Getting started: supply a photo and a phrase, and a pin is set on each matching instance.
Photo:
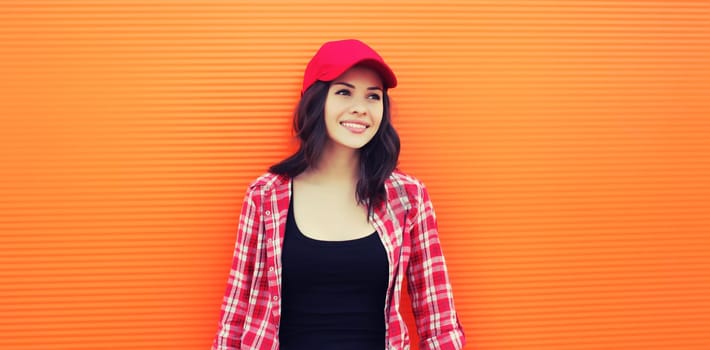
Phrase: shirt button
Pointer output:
(271, 269)
(268, 212)
(276, 298)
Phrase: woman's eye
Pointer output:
(343, 92)
(375, 97)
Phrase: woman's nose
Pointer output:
(358, 108)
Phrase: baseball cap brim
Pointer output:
(385, 72)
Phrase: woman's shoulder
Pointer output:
(268, 181)
(406, 187)
(399, 178)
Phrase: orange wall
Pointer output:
(565, 145)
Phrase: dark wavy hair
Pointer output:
(378, 158)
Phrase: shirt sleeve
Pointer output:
(236, 297)
(429, 287)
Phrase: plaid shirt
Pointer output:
(406, 224)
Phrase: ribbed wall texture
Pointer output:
(566, 146)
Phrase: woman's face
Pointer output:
(354, 107)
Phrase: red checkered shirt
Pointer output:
(406, 224)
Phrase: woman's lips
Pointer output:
(354, 127)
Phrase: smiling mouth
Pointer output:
(356, 126)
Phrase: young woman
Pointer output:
(328, 235)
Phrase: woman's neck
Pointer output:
(337, 163)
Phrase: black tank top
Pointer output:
(333, 292)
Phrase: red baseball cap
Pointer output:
(336, 57)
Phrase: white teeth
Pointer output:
(353, 125)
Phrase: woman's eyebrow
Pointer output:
(346, 84)
(353, 86)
